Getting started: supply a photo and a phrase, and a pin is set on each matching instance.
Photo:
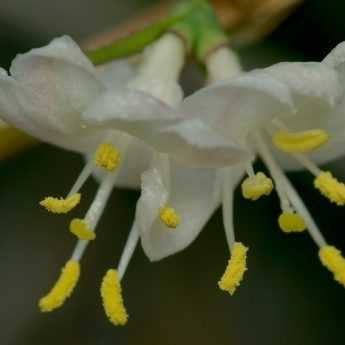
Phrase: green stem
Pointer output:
(193, 20)
(138, 41)
(210, 35)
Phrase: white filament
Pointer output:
(128, 251)
(273, 168)
(227, 206)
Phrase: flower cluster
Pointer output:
(130, 121)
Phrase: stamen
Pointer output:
(64, 205)
(111, 289)
(254, 187)
(299, 142)
(111, 293)
(170, 217)
(332, 259)
(95, 211)
(63, 287)
(286, 186)
(61, 205)
(234, 272)
(330, 187)
(81, 229)
(107, 157)
(291, 222)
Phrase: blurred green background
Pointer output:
(287, 297)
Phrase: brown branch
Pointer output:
(250, 20)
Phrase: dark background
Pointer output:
(287, 297)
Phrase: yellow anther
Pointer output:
(299, 142)
(254, 187)
(169, 217)
(234, 272)
(332, 259)
(291, 222)
(61, 205)
(63, 287)
(81, 229)
(111, 293)
(107, 157)
(330, 187)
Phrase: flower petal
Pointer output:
(195, 194)
(312, 80)
(128, 110)
(116, 74)
(62, 49)
(316, 90)
(194, 143)
(49, 89)
(190, 141)
(239, 105)
(336, 59)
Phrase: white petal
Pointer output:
(49, 89)
(316, 88)
(239, 105)
(116, 74)
(336, 59)
(167, 91)
(194, 143)
(190, 141)
(129, 110)
(195, 194)
(62, 49)
(312, 80)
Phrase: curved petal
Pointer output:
(190, 141)
(239, 105)
(167, 91)
(195, 194)
(333, 122)
(48, 90)
(336, 59)
(62, 49)
(194, 143)
(116, 73)
(308, 81)
(316, 88)
(128, 110)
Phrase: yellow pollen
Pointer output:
(330, 187)
(254, 187)
(111, 293)
(61, 205)
(63, 288)
(234, 272)
(299, 142)
(332, 259)
(291, 222)
(81, 229)
(107, 157)
(170, 217)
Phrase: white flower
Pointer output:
(296, 106)
(121, 119)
